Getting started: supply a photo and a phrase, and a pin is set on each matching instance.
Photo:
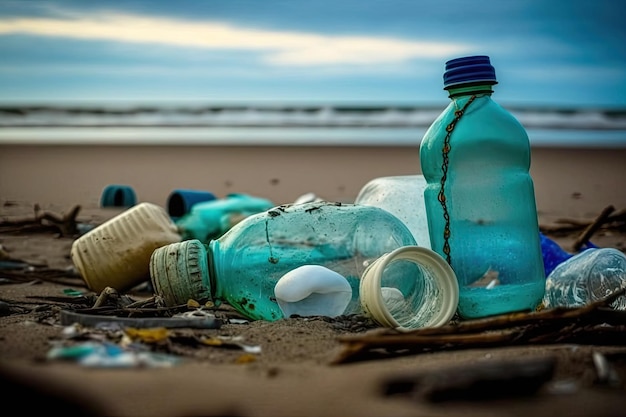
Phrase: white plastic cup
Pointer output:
(117, 253)
(433, 306)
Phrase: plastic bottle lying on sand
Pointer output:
(554, 255)
(587, 277)
(210, 219)
(117, 253)
(245, 265)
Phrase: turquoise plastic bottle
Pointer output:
(480, 201)
(210, 219)
(243, 266)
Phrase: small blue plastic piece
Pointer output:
(116, 195)
(180, 201)
(554, 255)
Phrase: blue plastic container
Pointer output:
(116, 195)
(180, 201)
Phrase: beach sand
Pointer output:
(295, 373)
(576, 182)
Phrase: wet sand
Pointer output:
(568, 182)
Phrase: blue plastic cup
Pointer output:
(180, 201)
(117, 195)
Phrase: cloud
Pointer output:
(574, 73)
(279, 48)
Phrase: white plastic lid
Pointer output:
(433, 308)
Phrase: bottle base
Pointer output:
(502, 299)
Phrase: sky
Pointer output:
(545, 52)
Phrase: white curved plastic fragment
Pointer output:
(312, 290)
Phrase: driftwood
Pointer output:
(44, 221)
(591, 229)
(594, 323)
(606, 220)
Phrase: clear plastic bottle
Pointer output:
(480, 201)
(554, 255)
(403, 196)
(243, 266)
(586, 277)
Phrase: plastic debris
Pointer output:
(109, 355)
(207, 321)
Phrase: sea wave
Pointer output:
(289, 116)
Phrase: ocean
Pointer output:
(68, 154)
(292, 125)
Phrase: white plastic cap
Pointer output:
(433, 307)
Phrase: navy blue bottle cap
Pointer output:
(469, 69)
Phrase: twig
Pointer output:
(592, 323)
(592, 228)
(613, 221)
(44, 221)
(66, 224)
(105, 295)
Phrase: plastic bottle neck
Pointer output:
(469, 90)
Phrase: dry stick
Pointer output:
(592, 228)
(66, 224)
(572, 225)
(615, 217)
(455, 335)
(141, 303)
(496, 322)
(107, 293)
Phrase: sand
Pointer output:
(577, 182)
(295, 373)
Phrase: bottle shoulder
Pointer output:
(483, 120)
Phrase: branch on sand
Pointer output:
(593, 324)
(605, 220)
(44, 221)
(592, 228)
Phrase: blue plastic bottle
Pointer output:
(480, 200)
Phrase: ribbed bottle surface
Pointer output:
(488, 216)
(587, 277)
(117, 252)
(179, 271)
